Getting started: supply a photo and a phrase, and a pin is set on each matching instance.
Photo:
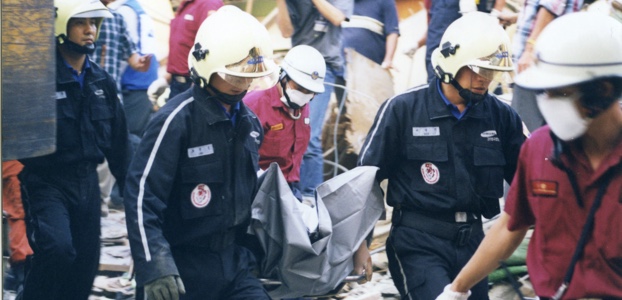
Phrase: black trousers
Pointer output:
(422, 264)
(226, 274)
(63, 225)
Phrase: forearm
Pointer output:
(331, 13)
(390, 46)
(497, 246)
(283, 20)
(543, 18)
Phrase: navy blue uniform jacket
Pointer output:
(193, 177)
(436, 163)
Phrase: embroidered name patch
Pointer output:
(201, 150)
(201, 196)
(188, 17)
(430, 173)
(426, 131)
(277, 127)
(544, 188)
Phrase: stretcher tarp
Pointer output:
(348, 207)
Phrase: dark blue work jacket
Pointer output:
(90, 124)
(193, 177)
(436, 163)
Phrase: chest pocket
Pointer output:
(68, 134)
(488, 177)
(429, 166)
(101, 117)
(201, 193)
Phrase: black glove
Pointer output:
(165, 288)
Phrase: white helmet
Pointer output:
(306, 67)
(575, 48)
(475, 40)
(235, 46)
(67, 9)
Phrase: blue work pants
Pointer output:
(63, 224)
(312, 168)
(422, 264)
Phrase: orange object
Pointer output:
(12, 206)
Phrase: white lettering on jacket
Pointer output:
(201, 151)
(426, 131)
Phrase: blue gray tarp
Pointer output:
(347, 206)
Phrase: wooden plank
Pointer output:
(28, 78)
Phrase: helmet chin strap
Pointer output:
(86, 49)
(467, 94)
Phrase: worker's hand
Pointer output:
(387, 64)
(449, 294)
(506, 18)
(526, 59)
(411, 50)
(362, 262)
(467, 6)
(156, 88)
(140, 63)
(165, 288)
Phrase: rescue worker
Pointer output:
(284, 113)
(193, 177)
(569, 176)
(445, 148)
(284, 116)
(60, 191)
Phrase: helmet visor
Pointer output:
(492, 75)
(255, 71)
(499, 60)
(250, 83)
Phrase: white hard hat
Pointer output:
(575, 48)
(235, 46)
(306, 67)
(67, 9)
(475, 40)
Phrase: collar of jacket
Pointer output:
(63, 75)
(438, 109)
(212, 109)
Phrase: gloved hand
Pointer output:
(156, 88)
(449, 294)
(467, 6)
(165, 288)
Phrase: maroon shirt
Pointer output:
(190, 14)
(285, 139)
(541, 194)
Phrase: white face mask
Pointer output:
(297, 97)
(562, 115)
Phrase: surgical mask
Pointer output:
(226, 98)
(297, 99)
(563, 116)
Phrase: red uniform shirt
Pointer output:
(285, 139)
(541, 194)
(190, 14)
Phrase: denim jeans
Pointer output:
(312, 168)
